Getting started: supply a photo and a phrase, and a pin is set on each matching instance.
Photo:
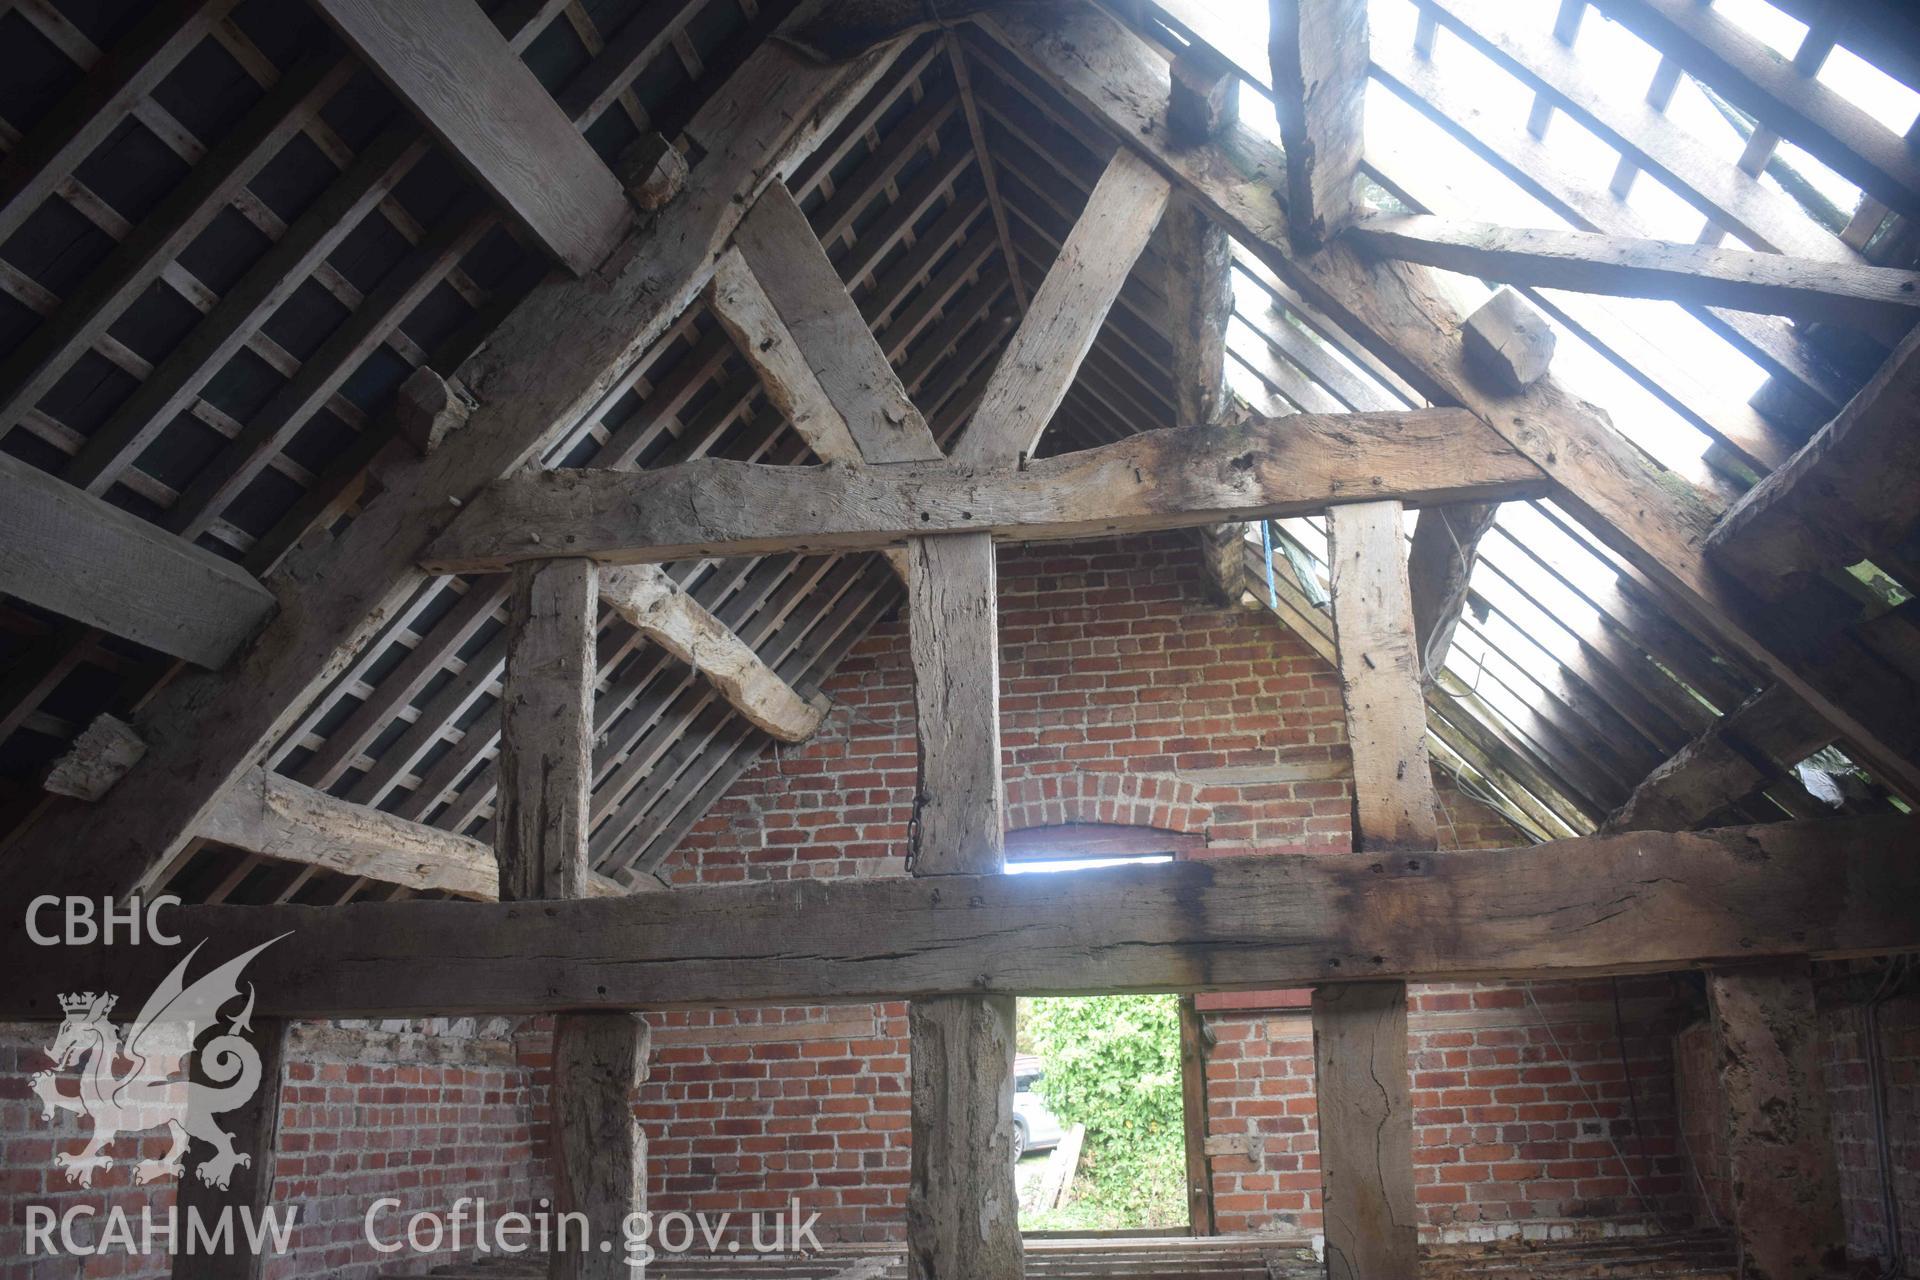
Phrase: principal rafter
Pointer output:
(482, 101)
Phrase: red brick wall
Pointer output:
(1522, 1112)
(1854, 1137)
(747, 1110)
(1856, 1148)
(1703, 1123)
(426, 1113)
(1120, 679)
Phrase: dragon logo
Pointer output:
(155, 1091)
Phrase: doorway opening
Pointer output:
(1100, 1118)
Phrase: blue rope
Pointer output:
(1266, 558)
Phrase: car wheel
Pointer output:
(1019, 1139)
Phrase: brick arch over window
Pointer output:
(1112, 799)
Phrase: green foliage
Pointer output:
(1112, 1063)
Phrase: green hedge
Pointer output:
(1112, 1063)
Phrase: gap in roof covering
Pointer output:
(1695, 112)
(1420, 155)
(1764, 23)
(1866, 86)
(1412, 142)
(1844, 194)
(1618, 62)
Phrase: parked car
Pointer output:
(1034, 1127)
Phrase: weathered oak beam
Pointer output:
(600, 1165)
(253, 1125)
(1318, 53)
(832, 337)
(1360, 1030)
(1587, 262)
(448, 63)
(1779, 1144)
(660, 610)
(1204, 96)
(550, 362)
(767, 344)
(1762, 737)
(1439, 568)
(1642, 902)
(963, 1210)
(271, 814)
(959, 809)
(1847, 494)
(540, 843)
(1393, 804)
(65, 550)
(1167, 479)
(1199, 270)
(1040, 362)
(1360, 1084)
(546, 730)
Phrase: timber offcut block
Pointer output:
(99, 757)
(1509, 342)
(653, 172)
(1204, 97)
(429, 408)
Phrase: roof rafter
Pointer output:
(1866, 297)
(1066, 313)
(1846, 495)
(486, 106)
(71, 552)
(1796, 107)
(1318, 53)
